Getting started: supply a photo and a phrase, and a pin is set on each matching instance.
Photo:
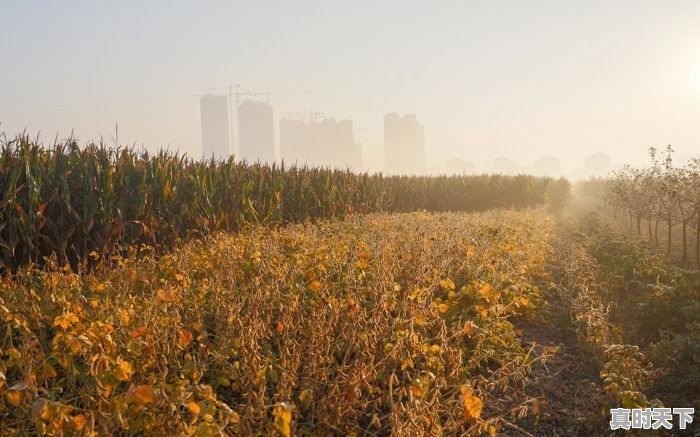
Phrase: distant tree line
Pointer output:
(663, 196)
(76, 203)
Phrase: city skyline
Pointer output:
(325, 142)
(488, 79)
(318, 139)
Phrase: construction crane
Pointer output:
(234, 90)
(312, 116)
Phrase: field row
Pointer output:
(640, 313)
(377, 325)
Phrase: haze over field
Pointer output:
(433, 256)
(487, 80)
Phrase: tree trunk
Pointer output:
(685, 242)
(650, 236)
(639, 226)
(656, 233)
(668, 248)
(631, 221)
(697, 241)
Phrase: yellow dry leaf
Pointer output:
(283, 419)
(65, 321)
(489, 293)
(482, 307)
(184, 337)
(124, 316)
(144, 394)
(523, 302)
(164, 295)
(234, 418)
(139, 332)
(443, 308)
(418, 387)
(471, 250)
(78, 422)
(447, 284)
(223, 381)
(362, 264)
(194, 407)
(14, 354)
(305, 397)
(14, 397)
(472, 404)
(469, 328)
(492, 430)
(74, 345)
(124, 371)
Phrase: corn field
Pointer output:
(68, 202)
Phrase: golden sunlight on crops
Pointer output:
(385, 324)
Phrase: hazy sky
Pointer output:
(515, 78)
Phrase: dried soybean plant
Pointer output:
(377, 325)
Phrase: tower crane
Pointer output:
(234, 90)
(312, 116)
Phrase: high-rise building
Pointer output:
(298, 142)
(404, 144)
(505, 166)
(344, 151)
(215, 131)
(545, 166)
(597, 165)
(256, 132)
(319, 143)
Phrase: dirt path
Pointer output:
(565, 381)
